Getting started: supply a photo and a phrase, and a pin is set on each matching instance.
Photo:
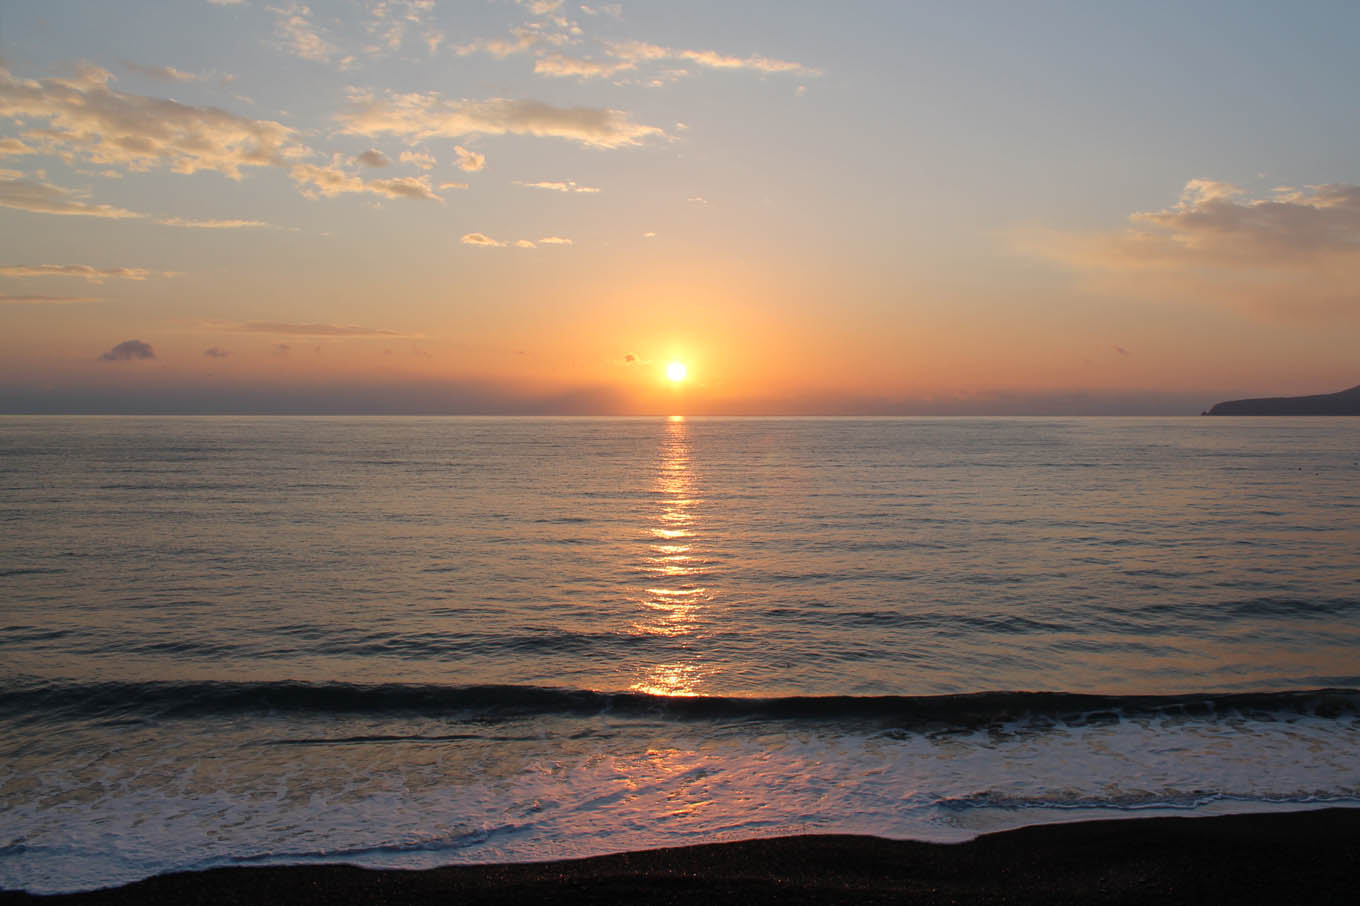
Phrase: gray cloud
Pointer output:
(213, 352)
(129, 351)
(373, 158)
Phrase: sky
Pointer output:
(535, 207)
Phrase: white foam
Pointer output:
(139, 811)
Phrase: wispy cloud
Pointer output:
(298, 35)
(83, 271)
(390, 22)
(428, 115)
(228, 224)
(283, 328)
(635, 52)
(317, 181)
(562, 66)
(45, 300)
(162, 73)
(613, 10)
(12, 146)
(44, 198)
(557, 186)
(418, 158)
(484, 241)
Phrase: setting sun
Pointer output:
(676, 371)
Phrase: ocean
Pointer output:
(420, 641)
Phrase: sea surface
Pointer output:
(420, 641)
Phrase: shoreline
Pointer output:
(1274, 857)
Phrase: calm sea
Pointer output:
(409, 642)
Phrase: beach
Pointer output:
(1297, 857)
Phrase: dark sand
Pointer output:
(1301, 857)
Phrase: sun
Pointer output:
(676, 371)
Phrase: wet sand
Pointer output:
(1300, 857)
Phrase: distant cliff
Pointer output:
(1347, 402)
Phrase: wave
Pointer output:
(133, 700)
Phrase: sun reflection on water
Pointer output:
(673, 602)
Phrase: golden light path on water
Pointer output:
(675, 599)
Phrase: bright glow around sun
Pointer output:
(676, 371)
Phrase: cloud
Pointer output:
(44, 198)
(12, 146)
(568, 186)
(328, 181)
(403, 187)
(452, 185)
(541, 7)
(162, 73)
(229, 224)
(562, 66)
(631, 359)
(281, 328)
(1297, 250)
(429, 115)
(485, 241)
(419, 158)
(129, 351)
(469, 161)
(213, 352)
(390, 20)
(45, 300)
(1121, 350)
(524, 39)
(84, 271)
(613, 10)
(297, 35)
(226, 2)
(635, 52)
(88, 120)
(374, 158)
